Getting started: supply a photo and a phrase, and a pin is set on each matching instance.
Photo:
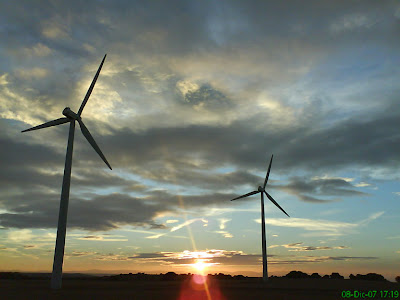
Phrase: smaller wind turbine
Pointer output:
(262, 191)
(70, 117)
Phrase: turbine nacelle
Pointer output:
(70, 114)
(261, 189)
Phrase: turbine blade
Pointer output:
(49, 124)
(274, 202)
(92, 142)
(91, 87)
(249, 194)
(269, 169)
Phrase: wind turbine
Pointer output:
(70, 117)
(261, 189)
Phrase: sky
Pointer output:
(193, 99)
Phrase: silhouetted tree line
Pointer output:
(299, 274)
(369, 276)
(172, 276)
(220, 276)
(28, 276)
(12, 275)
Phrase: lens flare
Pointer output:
(200, 287)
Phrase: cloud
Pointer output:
(79, 253)
(184, 224)
(351, 22)
(56, 28)
(205, 96)
(211, 257)
(101, 238)
(223, 147)
(225, 234)
(222, 222)
(19, 236)
(193, 102)
(185, 86)
(327, 177)
(155, 236)
(3, 79)
(293, 245)
(149, 255)
(300, 247)
(231, 258)
(322, 227)
(372, 217)
(32, 73)
(96, 214)
(171, 221)
(111, 257)
(317, 259)
(321, 186)
(38, 49)
(362, 184)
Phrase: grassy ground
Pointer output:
(278, 289)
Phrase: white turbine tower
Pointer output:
(262, 191)
(71, 117)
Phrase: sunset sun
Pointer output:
(199, 265)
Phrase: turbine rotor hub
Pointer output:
(260, 189)
(70, 114)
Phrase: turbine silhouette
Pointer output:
(262, 191)
(71, 117)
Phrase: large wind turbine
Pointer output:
(262, 191)
(71, 117)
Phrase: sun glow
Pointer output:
(199, 265)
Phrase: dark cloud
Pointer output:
(208, 97)
(300, 247)
(165, 155)
(294, 244)
(199, 201)
(91, 237)
(223, 257)
(353, 258)
(240, 259)
(79, 253)
(106, 212)
(149, 255)
(235, 52)
(18, 154)
(100, 213)
(319, 259)
(321, 187)
(30, 167)
(152, 154)
(351, 143)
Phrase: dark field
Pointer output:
(277, 288)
